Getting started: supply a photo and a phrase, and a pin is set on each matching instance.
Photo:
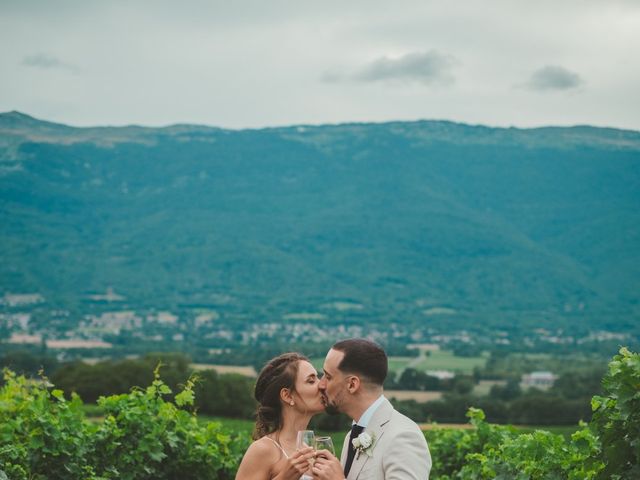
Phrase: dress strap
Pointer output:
(279, 446)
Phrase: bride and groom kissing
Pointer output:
(383, 444)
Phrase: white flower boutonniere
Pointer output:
(364, 444)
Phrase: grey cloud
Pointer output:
(428, 67)
(431, 68)
(44, 61)
(552, 77)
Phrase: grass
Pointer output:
(235, 424)
(483, 388)
(397, 364)
(445, 360)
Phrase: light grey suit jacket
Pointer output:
(399, 452)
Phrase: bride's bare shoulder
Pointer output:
(258, 460)
(264, 446)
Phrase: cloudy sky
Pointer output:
(262, 63)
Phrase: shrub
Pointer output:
(145, 436)
(142, 436)
(616, 417)
(42, 435)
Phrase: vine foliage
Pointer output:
(607, 448)
(44, 435)
(142, 436)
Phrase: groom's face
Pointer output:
(332, 384)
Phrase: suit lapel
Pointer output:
(345, 446)
(376, 429)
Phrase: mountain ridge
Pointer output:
(24, 119)
(498, 224)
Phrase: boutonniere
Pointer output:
(364, 444)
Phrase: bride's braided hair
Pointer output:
(279, 373)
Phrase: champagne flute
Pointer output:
(325, 443)
(306, 438)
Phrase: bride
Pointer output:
(288, 396)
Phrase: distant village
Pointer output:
(95, 332)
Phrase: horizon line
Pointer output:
(319, 125)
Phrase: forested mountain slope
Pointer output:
(425, 221)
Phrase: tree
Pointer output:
(509, 391)
(227, 395)
(579, 384)
(462, 384)
(25, 363)
(412, 379)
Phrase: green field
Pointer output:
(483, 388)
(436, 360)
(317, 363)
(235, 424)
(446, 360)
(397, 364)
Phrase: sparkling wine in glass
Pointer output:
(306, 438)
(325, 443)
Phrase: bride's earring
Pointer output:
(292, 403)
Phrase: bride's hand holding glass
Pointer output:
(298, 464)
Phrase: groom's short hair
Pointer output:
(363, 357)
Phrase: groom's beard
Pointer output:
(330, 407)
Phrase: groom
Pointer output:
(388, 445)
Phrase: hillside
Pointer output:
(430, 223)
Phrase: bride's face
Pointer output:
(307, 394)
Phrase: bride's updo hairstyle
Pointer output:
(279, 373)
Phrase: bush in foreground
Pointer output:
(493, 451)
(607, 448)
(143, 436)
